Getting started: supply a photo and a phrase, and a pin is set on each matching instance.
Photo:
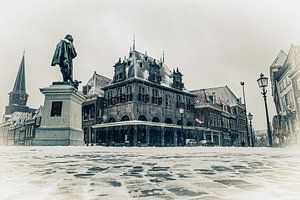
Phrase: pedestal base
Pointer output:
(58, 137)
(61, 123)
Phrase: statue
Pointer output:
(63, 56)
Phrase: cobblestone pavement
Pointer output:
(198, 173)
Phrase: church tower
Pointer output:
(18, 96)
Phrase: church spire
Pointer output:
(20, 86)
(18, 96)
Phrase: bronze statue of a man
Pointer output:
(63, 56)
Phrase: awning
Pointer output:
(144, 123)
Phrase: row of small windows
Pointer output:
(215, 120)
(227, 108)
(29, 131)
(119, 95)
(226, 122)
(156, 96)
(284, 83)
(240, 112)
(233, 124)
(88, 112)
(223, 122)
(241, 125)
(287, 100)
(119, 91)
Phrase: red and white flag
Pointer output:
(199, 121)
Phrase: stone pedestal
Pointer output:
(61, 123)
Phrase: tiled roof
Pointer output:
(95, 84)
(283, 63)
(38, 112)
(223, 95)
(143, 72)
(280, 59)
(18, 118)
(138, 65)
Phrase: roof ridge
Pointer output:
(102, 76)
(145, 55)
(231, 92)
(208, 88)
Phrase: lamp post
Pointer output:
(250, 117)
(181, 111)
(247, 131)
(263, 83)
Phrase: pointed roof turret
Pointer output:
(20, 86)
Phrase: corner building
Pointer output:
(142, 104)
(285, 84)
(223, 116)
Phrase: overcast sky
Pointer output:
(214, 43)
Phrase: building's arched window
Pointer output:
(142, 118)
(125, 118)
(179, 122)
(189, 123)
(168, 121)
(155, 119)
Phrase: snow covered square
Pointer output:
(194, 173)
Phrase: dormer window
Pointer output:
(177, 80)
(212, 98)
(120, 75)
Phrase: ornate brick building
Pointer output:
(142, 104)
(222, 115)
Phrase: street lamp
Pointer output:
(250, 117)
(248, 137)
(181, 111)
(263, 83)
